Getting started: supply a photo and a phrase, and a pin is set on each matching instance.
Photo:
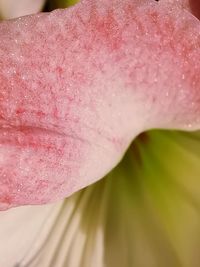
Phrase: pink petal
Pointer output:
(181, 3)
(78, 85)
(191, 5)
(13, 9)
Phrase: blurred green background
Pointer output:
(53, 4)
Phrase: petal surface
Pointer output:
(144, 213)
(23, 231)
(78, 85)
(13, 9)
(191, 5)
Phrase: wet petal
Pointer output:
(13, 9)
(144, 213)
(72, 101)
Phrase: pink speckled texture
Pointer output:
(78, 85)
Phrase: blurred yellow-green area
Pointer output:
(53, 4)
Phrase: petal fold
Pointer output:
(144, 213)
(78, 85)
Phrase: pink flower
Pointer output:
(77, 86)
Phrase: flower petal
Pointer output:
(181, 3)
(13, 9)
(23, 231)
(192, 5)
(144, 213)
(72, 101)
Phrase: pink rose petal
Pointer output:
(78, 85)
